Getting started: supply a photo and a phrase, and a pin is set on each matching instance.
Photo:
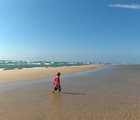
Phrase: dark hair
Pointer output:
(58, 73)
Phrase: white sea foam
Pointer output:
(14, 64)
(47, 63)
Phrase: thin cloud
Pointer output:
(127, 6)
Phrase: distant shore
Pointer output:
(39, 73)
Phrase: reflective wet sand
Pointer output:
(109, 93)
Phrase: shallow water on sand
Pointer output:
(110, 93)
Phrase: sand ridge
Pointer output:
(39, 73)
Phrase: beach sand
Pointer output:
(107, 93)
(39, 73)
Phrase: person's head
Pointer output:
(58, 74)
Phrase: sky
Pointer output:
(70, 30)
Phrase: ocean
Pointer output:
(15, 64)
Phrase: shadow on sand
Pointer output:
(72, 93)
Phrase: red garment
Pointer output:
(57, 81)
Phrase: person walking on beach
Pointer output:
(56, 83)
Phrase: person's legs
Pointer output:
(59, 88)
(55, 88)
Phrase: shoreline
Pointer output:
(7, 76)
(111, 93)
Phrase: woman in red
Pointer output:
(57, 83)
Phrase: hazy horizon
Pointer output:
(76, 30)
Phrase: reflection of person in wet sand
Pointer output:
(57, 85)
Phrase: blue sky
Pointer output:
(70, 30)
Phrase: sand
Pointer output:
(108, 93)
(39, 73)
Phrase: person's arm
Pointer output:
(59, 80)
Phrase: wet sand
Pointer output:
(109, 93)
